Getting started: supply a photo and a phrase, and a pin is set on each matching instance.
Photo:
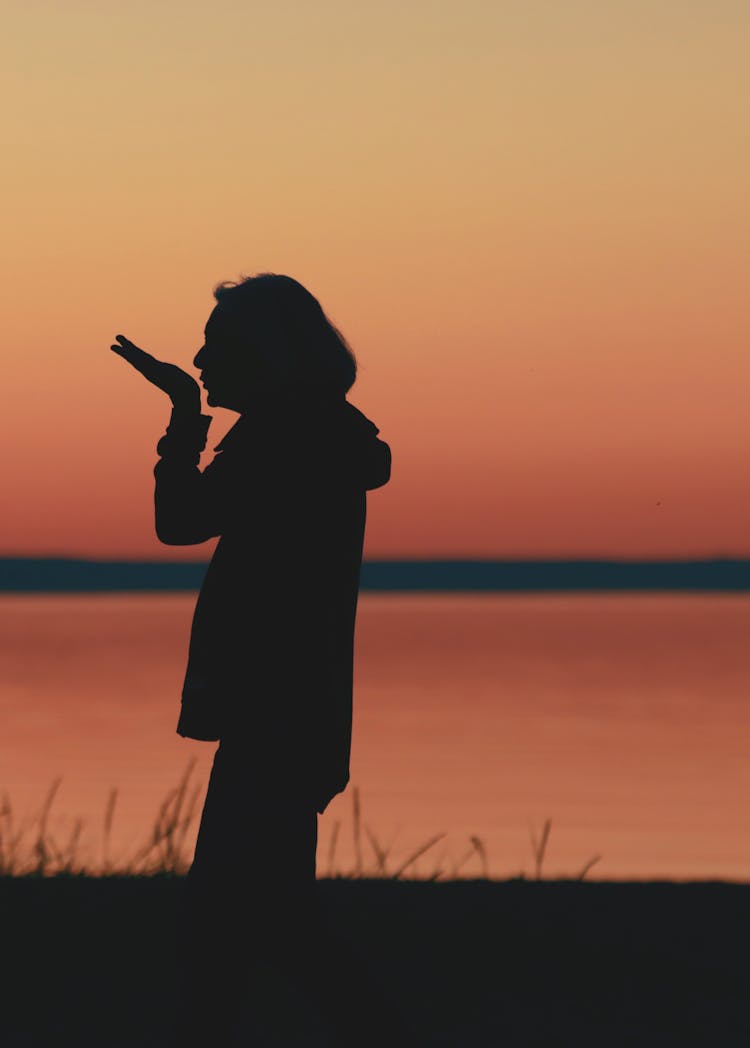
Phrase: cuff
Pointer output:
(186, 435)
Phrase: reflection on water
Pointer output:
(623, 718)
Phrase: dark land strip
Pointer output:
(65, 574)
(91, 961)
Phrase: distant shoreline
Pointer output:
(80, 575)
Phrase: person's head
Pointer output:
(269, 333)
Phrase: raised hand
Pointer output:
(181, 388)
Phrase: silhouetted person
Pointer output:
(270, 662)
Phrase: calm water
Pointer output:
(625, 719)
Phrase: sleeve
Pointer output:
(378, 462)
(186, 500)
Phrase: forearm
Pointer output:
(183, 515)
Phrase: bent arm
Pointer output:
(186, 510)
(378, 465)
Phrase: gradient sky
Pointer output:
(530, 219)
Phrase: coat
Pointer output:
(271, 652)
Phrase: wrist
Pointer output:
(186, 434)
(186, 408)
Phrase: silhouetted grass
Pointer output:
(28, 847)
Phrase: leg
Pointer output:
(250, 896)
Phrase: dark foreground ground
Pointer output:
(517, 963)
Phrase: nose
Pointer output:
(197, 359)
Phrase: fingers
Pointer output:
(123, 345)
(127, 349)
(127, 346)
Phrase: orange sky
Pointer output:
(529, 219)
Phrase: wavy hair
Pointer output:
(286, 325)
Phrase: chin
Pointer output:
(220, 402)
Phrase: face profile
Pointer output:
(226, 364)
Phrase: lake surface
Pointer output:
(623, 718)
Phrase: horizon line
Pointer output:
(67, 574)
(578, 558)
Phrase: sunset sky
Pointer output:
(530, 219)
